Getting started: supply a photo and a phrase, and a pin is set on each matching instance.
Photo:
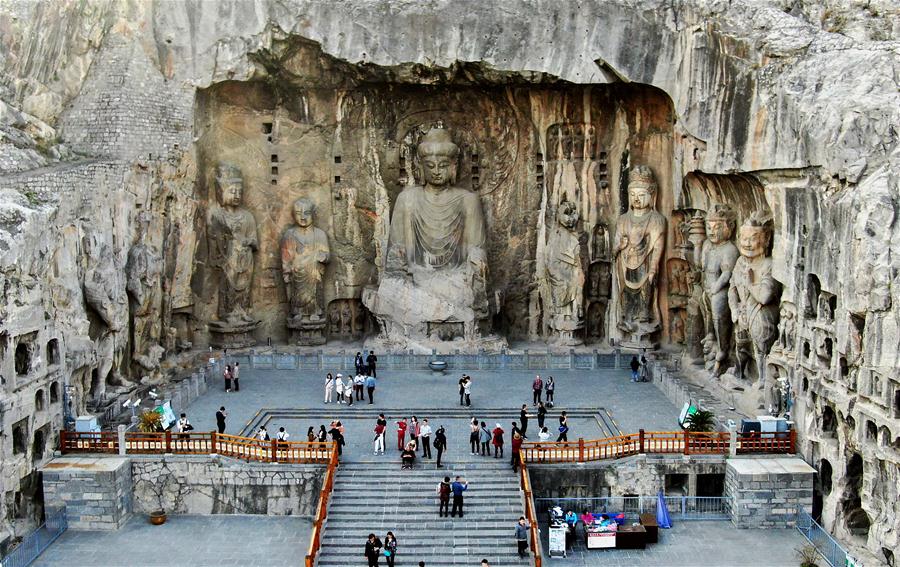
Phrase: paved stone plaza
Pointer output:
(214, 541)
(695, 544)
(631, 405)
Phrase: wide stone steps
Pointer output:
(378, 497)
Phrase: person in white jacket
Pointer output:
(329, 388)
(339, 388)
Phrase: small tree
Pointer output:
(701, 420)
(149, 421)
(808, 555)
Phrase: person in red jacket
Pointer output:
(497, 441)
(516, 445)
(401, 433)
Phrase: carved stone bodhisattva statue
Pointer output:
(304, 253)
(754, 295)
(718, 257)
(435, 268)
(233, 241)
(564, 279)
(640, 240)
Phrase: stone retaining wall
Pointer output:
(96, 491)
(766, 492)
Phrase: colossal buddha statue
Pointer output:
(640, 240)
(435, 273)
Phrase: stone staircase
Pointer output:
(378, 497)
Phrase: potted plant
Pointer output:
(149, 421)
(158, 517)
(808, 555)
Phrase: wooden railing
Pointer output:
(530, 513)
(658, 442)
(197, 443)
(315, 542)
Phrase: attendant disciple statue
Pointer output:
(565, 276)
(232, 243)
(754, 295)
(640, 240)
(304, 253)
(435, 275)
(718, 257)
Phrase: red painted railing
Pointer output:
(315, 541)
(657, 442)
(530, 513)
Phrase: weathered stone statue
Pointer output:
(718, 257)
(144, 286)
(233, 241)
(564, 277)
(104, 291)
(754, 295)
(304, 253)
(435, 274)
(640, 240)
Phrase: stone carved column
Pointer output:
(233, 242)
(304, 253)
(640, 241)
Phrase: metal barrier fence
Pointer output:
(827, 546)
(37, 541)
(679, 507)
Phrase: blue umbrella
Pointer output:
(662, 513)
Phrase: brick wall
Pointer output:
(767, 491)
(96, 491)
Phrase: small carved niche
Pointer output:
(20, 436)
(53, 351)
(829, 422)
(54, 392)
(567, 141)
(346, 319)
(813, 289)
(24, 354)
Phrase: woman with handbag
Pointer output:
(390, 548)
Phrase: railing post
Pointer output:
(687, 442)
(793, 447)
(641, 440)
(212, 443)
(168, 440)
(581, 449)
(62, 441)
(123, 447)
(274, 450)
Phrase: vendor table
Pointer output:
(631, 537)
(601, 540)
(649, 523)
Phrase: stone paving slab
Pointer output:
(195, 541)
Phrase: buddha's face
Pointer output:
(231, 192)
(640, 197)
(303, 213)
(718, 230)
(753, 241)
(437, 169)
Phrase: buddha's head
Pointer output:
(229, 185)
(303, 212)
(755, 235)
(438, 157)
(567, 214)
(720, 223)
(642, 188)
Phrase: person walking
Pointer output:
(523, 418)
(401, 433)
(467, 390)
(236, 376)
(644, 369)
(425, 433)
(550, 389)
(337, 436)
(311, 435)
(220, 419)
(380, 426)
(443, 492)
(497, 434)
(458, 487)
(541, 414)
(227, 375)
(370, 386)
(371, 360)
(440, 443)
(484, 436)
(348, 390)
(414, 430)
(359, 382)
(462, 390)
(329, 388)
(635, 367)
(522, 528)
(323, 434)
(473, 435)
(516, 447)
(358, 363)
(537, 387)
(339, 388)
(563, 428)
(373, 550)
(390, 549)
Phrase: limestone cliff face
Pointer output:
(114, 114)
